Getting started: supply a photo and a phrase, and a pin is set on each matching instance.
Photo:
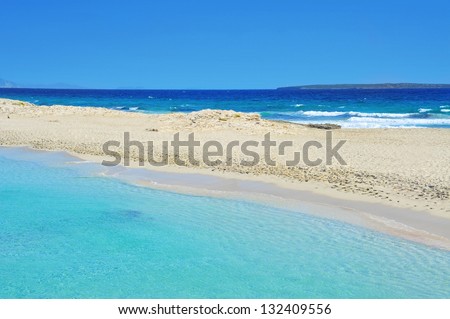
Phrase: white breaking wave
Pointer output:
(376, 122)
(356, 114)
(379, 122)
(322, 113)
(299, 105)
(381, 115)
(424, 110)
(134, 108)
(444, 106)
(445, 110)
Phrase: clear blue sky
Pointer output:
(223, 44)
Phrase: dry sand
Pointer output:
(403, 169)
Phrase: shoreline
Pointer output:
(397, 180)
(402, 223)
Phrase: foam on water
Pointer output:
(381, 115)
(356, 114)
(321, 113)
(368, 122)
(357, 122)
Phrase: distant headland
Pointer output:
(367, 86)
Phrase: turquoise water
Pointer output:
(354, 108)
(65, 233)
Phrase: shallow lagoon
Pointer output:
(66, 232)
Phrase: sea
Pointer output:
(350, 108)
(67, 231)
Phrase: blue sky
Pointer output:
(223, 44)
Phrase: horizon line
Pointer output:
(387, 85)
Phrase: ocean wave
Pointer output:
(406, 122)
(299, 105)
(445, 110)
(377, 122)
(423, 110)
(444, 106)
(381, 115)
(355, 114)
(133, 108)
(322, 113)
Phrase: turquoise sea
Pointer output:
(66, 232)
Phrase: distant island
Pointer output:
(4, 84)
(366, 86)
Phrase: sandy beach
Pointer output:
(400, 175)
